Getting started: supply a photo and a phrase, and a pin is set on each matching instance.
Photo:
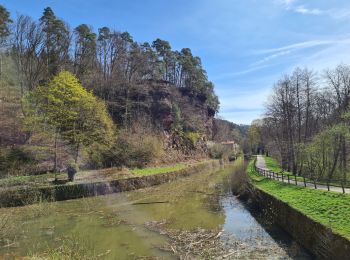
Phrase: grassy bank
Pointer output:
(99, 183)
(328, 208)
(274, 166)
(159, 170)
(108, 174)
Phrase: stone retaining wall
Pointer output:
(13, 197)
(317, 238)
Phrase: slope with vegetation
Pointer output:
(224, 130)
(97, 98)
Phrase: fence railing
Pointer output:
(300, 180)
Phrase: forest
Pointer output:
(306, 124)
(114, 144)
(98, 98)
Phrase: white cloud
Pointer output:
(288, 2)
(328, 57)
(271, 57)
(288, 49)
(237, 73)
(303, 10)
(285, 3)
(339, 13)
(290, 5)
(295, 46)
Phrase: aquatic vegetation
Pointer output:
(200, 219)
(69, 248)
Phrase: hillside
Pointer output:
(224, 130)
(159, 100)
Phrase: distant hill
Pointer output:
(224, 130)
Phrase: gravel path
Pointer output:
(261, 164)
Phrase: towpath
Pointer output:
(261, 164)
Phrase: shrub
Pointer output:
(15, 161)
(134, 151)
(216, 151)
(193, 137)
(219, 151)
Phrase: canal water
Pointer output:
(196, 217)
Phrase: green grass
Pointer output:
(274, 166)
(30, 180)
(328, 208)
(159, 170)
(112, 173)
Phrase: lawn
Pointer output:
(328, 208)
(159, 170)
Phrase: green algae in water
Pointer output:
(113, 226)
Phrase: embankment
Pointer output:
(28, 195)
(318, 238)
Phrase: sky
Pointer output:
(245, 45)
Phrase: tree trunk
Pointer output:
(77, 153)
(55, 155)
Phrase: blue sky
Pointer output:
(245, 45)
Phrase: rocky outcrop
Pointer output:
(159, 103)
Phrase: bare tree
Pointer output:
(28, 47)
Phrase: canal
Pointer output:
(196, 217)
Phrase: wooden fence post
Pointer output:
(288, 179)
(282, 177)
(273, 175)
(342, 186)
(315, 184)
(295, 178)
(328, 185)
(304, 181)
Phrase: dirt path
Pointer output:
(260, 163)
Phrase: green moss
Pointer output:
(159, 170)
(328, 208)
